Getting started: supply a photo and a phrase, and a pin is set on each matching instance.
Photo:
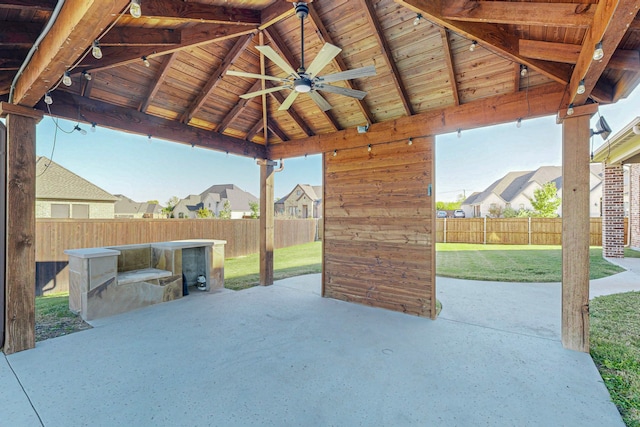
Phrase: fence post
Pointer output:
(529, 231)
(444, 234)
(484, 232)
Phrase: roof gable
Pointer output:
(56, 182)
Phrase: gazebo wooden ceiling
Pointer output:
(428, 81)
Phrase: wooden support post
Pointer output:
(575, 229)
(266, 222)
(20, 227)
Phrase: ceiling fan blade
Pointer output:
(260, 92)
(320, 101)
(349, 74)
(353, 93)
(254, 76)
(277, 59)
(326, 54)
(289, 100)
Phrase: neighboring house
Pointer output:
(127, 208)
(304, 201)
(516, 189)
(214, 198)
(62, 194)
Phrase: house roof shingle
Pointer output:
(55, 182)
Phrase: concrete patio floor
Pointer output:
(284, 356)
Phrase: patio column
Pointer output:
(634, 205)
(266, 221)
(575, 229)
(19, 226)
(613, 211)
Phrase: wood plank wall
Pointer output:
(379, 226)
(3, 206)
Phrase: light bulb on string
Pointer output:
(570, 110)
(581, 88)
(79, 129)
(417, 20)
(93, 127)
(473, 46)
(95, 49)
(598, 52)
(459, 133)
(145, 61)
(135, 10)
(66, 79)
(519, 123)
(47, 98)
(524, 70)
(87, 75)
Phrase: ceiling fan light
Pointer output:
(302, 85)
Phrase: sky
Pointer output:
(154, 169)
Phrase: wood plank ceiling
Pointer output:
(184, 94)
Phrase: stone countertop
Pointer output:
(91, 252)
(192, 243)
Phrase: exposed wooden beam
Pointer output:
(78, 24)
(276, 12)
(10, 64)
(610, 23)
(46, 5)
(519, 13)
(621, 59)
(87, 85)
(191, 37)
(181, 11)
(378, 32)
(72, 107)
(275, 129)
(291, 112)
(339, 63)
(237, 109)
(491, 36)
(279, 45)
(448, 59)
(539, 101)
(233, 54)
(158, 80)
(19, 34)
(132, 36)
(628, 60)
(516, 77)
(254, 131)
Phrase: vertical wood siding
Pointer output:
(379, 226)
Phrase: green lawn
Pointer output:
(244, 272)
(615, 348)
(512, 263)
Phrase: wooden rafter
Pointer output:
(158, 80)
(491, 36)
(237, 109)
(19, 34)
(141, 37)
(70, 106)
(46, 5)
(275, 129)
(191, 37)
(520, 13)
(339, 63)
(542, 101)
(448, 58)
(87, 85)
(53, 56)
(302, 124)
(516, 77)
(281, 48)
(10, 64)
(378, 32)
(276, 12)
(233, 54)
(609, 25)
(257, 127)
(180, 11)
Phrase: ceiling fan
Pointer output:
(307, 80)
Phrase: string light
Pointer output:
(66, 79)
(95, 49)
(79, 129)
(417, 20)
(47, 98)
(459, 133)
(581, 88)
(473, 46)
(135, 10)
(86, 75)
(93, 127)
(145, 61)
(410, 141)
(598, 52)
(570, 110)
(519, 123)
(523, 70)
(369, 148)
(335, 153)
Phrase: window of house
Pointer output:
(181, 215)
(79, 211)
(521, 205)
(493, 206)
(60, 211)
(508, 205)
(292, 210)
(299, 192)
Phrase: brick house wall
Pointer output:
(613, 212)
(634, 205)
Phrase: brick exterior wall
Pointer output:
(613, 212)
(634, 205)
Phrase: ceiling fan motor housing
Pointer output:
(302, 10)
(302, 85)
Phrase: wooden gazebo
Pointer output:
(440, 66)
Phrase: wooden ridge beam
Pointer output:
(612, 17)
(72, 107)
(46, 5)
(539, 101)
(276, 12)
(566, 15)
(231, 56)
(378, 32)
(157, 81)
(279, 45)
(191, 37)
(79, 22)
(302, 124)
(180, 11)
(132, 36)
(19, 34)
(491, 36)
(275, 129)
(238, 108)
(339, 63)
(448, 59)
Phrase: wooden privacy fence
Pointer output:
(512, 231)
(53, 236)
